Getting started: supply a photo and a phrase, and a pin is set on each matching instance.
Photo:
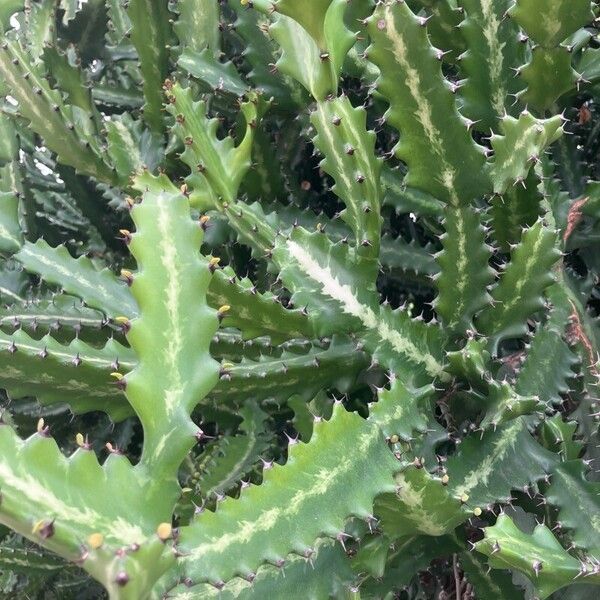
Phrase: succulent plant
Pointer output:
(299, 299)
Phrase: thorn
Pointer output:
(201, 436)
(267, 464)
(341, 537)
(291, 441)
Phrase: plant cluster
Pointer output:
(299, 299)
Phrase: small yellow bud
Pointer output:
(225, 308)
(40, 425)
(227, 365)
(244, 2)
(214, 261)
(445, 479)
(79, 439)
(117, 376)
(126, 274)
(164, 530)
(477, 512)
(394, 439)
(95, 541)
(37, 526)
(125, 232)
(121, 320)
(43, 528)
(464, 498)
(204, 219)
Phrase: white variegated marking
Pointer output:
(460, 284)
(321, 484)
(530, 266)
(10, 294)
(129, 144)
(414, 500)
(529, 142)
(550, 17)
(337, 169)
(423, 112)
(31, 490)
(174, 327)
(300, 49)
(491, 28)
(65, 355)
(94, 286)
(481, 475)
(8, 235)
(350, 304)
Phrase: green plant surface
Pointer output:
(60, 129)
(422, 107)
(576, 498)
(539, 556)
(150, 34)
(216, 163)
(464, 274)
(99, 289)
(486, 472)
(299, 300)
(229, 460)
(560, 20)
(488, 61)
(34, 504)
(512, 303)
(11, 237)
(548, 76)
(522, 141)
(265, 528)
(76, 374)
(349, 152)
(422, 504)
(325, 25)
(203, 67)
(399, 410)
(510, 211)
(197, 25)
(165, 386)
(328, 573)
(492, 584)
